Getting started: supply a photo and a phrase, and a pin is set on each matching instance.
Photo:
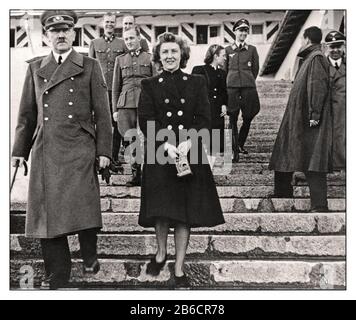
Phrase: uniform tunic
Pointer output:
(177, 101)
(216, 81)
(56, 121)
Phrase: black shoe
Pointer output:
(236, 157)
(319, 210)
(242, 150)
(135, 182)
(154, 268)
(181, 282)
(279, 196)
(93, 269)
(51, 283)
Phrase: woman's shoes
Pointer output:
(181, 282)
(154, 268)
(242, 150)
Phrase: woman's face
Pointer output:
(170, 55)
(221, 58)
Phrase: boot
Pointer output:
(136, 176)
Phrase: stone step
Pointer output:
(234, 274)
(242, 223)
(200, 246)
(234, 205)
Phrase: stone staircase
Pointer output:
(265, 243)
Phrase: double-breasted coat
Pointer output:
(217, 93)
(338, 102)
(298, 146)
(177, 101)
(64, 118)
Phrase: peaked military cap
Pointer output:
(335, 37)
(242, 23)
(54, 19)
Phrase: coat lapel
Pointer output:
(71, 67)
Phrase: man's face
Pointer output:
(109, 24)
(128, 22)
(61, 39)
(336, 51)
(131, 39)
(241, 34)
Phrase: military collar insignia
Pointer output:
(109, 39)
(136, 52)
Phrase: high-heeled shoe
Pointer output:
(154, 268)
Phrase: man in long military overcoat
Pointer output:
(304, 141)
(335, 42)
(64, 118)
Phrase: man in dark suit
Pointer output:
(242, 70)
(64, 118)
(335, 42)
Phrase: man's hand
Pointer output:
(20, 161)
(223, 111)
(313, 123)
(184, 147)
(115, 116)
(103, 162)
(172, 150)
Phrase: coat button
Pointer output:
(215, 89)
(46, 92)
(169, 114)
(214, 97)
(72, 78)
(70, 103)
(185, 78)
(71, 90)
(45, 105)
(160, 80)
(180, 127)
(180, 113)
(169, 127)
(70, 116)
(182, 100)
(166, 101)
(45, 80)
(46, 119)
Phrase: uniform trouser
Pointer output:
(247, 101)
(317, 184)
(117, 139)
(57, 259)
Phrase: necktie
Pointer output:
(240, 46)
(60, 60)
(337, 66)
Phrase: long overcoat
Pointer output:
(175, 102)
(58, 108)
(338, 101)
(298, 146)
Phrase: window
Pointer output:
(78, 37)
(174, 30)
(214, 32)
(160, 30)
(257, 29)
(202, 34)
(12, 38)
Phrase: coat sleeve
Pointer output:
(146, 109)
(202, 114)
(255, 63)
(318, 87)
(27, 118)
(91, 53)
(224, 87)
(116, 84)
(101, 108)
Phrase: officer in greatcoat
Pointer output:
(64, 118)
(242, 70)
(304, 140)
(105, 49)
(335, 42)
(130, 69)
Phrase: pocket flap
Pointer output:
(88, 127)
(122, 100)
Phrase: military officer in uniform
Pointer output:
(335, 42)
(64, 118)
(242, 68)
(130, 69)
(105, 50)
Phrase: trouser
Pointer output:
(317, 184)
(239, 138)
(117, 139)
(57, 258)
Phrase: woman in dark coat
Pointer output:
(174, 101)
(215, 78)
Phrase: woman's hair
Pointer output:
(170, 37)
(213, 50)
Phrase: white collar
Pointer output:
(243, 44)
(64, 55)
(338, 61)
(216, 68)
